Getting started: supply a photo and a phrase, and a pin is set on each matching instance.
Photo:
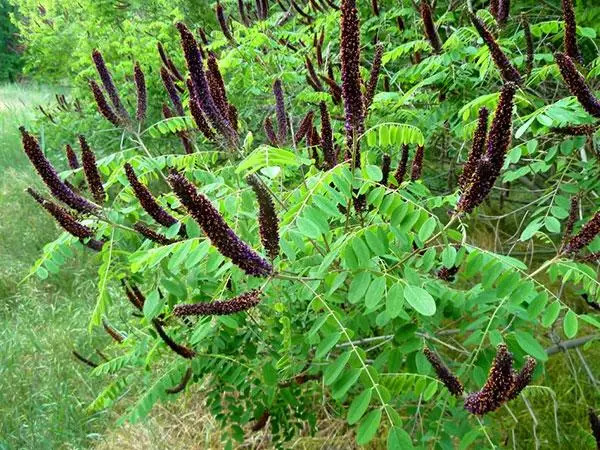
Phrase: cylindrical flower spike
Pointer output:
(444, 374)
(576, 130)
(201, 90)
(503, 11)
(181, 350)
(573, 212)
(585, 236)
(576, 84)
(570, 39)
(71, 157)
(499, 382)
(429, 26)
(233, 116)
(477, 149)
(351, 93)
(67, 221)
(237, 304)
(134, 295)
(386, 164)
(304, 127)
(140, 86)
(522, 379)
(172, 91)
(147, 200)
(112, 332)
(280, 112)
(402, 164)
(103, 107)
(217, 85)
(215, 227)
(490, 164)
(109, 85)
(48, 174)
(267, 217)
(329, 153)
(197, 113)
(494, 7)
(270, 132)
(507, 70)
(149, 233)
(417, 165)
(529, 45)
(312, 74)
(242, 11)
(90, 169)
(223, 22)
(374, 76)
(375, 6)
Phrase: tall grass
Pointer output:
(44, 391)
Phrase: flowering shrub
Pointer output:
(280, 265)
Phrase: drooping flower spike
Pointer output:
(67, 221)
(444, 374)
(217, 85)
(503, 11)
(197, 113)
(215, 227)
(429, 26)
(499, 383)
(491, 163)
(140, 86)
(521, 379)
(417, 165)
(50, 177)
(223, 22)
(103, 107)
(329, 153)
(147, 200)
(529, 45)
(374, 76)
(402, 165)
(267, 217)
(280, 111)
(576, 84)
(237, 304)
(570, 39)
(386, 163)
(576, 130)
(109, 86)
(585, 236)
(351, 93)
(172, 91)
(304, 128)
(90, 169)
(200, 89)
(181, 350)
(112, 332)
(71, 157)
(270, 132)
(154, 236)
(477, 149)
(507, 70)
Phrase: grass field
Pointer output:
(44, 391)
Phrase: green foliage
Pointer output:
(356, 293)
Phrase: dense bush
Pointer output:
(419, 179)
(9, 52)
